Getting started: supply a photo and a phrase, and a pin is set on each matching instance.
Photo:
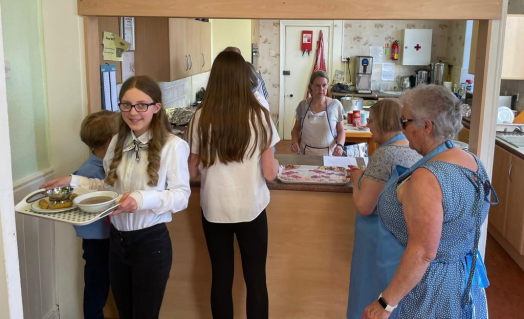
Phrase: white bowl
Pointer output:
(99, 207)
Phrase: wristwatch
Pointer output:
(338, 144)
(385, 305)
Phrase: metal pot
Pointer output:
(439, 72)
(422, 77)
(404, 82)
(351, 104)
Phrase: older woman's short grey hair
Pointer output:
(253, 76)
(437, 104)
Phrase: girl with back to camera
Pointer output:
(148, 164)
(232, 137)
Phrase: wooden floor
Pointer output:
(505, 294)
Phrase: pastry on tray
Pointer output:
(330, 175)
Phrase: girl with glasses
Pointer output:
(148, 164)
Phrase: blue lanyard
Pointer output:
(394, 139)
(437, 150)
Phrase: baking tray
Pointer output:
(307, 172)
(74, 216)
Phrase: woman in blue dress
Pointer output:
(384, 124)
(427, 261)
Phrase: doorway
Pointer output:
(300, 66)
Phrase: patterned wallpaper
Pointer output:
(269, 65)
(447, 45)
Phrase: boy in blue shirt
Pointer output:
(96, 132)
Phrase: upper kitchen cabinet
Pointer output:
(416, 46)
(512, 62)
(170, 49)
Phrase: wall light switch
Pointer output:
(7, 69)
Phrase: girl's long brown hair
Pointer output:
(159, 129)
(229, 113)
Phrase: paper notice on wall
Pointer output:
(377, 53)
(114, 47)
(388, 71)
(109, 87)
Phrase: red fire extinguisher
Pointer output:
(394, 51)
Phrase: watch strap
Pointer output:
(385, 305)
(338, 144)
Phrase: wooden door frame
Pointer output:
(298, 23)
(491, 15)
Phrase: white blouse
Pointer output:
(236, 192)
(155, 203)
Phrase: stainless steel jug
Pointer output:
(439, 72)
(422, 76)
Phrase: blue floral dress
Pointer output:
(453, 285)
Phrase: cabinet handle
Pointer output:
(190, 62)
(509, 172)
(203, 60)
(187, 63)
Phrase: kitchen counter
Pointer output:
(374, 95)
(292, 159)
(500, 142)
(310, 241)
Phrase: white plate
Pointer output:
(505, 115)
(36, 208)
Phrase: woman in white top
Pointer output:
(319, 125)
(231, 138)
(148, 164)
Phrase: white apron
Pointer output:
(316, 136)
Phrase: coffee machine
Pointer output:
(363, 71)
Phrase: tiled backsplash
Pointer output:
(182, 93)
(176, 93)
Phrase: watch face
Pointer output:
(382, 302)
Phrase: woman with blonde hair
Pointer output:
(384, 124)
(148, 164)
(231, 138)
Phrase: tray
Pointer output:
(313, 175)
(72, 216)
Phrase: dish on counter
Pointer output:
(505, 115)
(305, 174)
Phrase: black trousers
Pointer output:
(96, 277)
(252, 241)
(139, 265)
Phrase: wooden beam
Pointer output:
(298, 9)
(479, 95)
(91, 41)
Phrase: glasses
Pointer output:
(404, 122)
(139, 107)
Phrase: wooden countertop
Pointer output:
(519, 152)
(352, 131)
(284, 159)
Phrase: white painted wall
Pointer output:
(67, 103)
(10, 292)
